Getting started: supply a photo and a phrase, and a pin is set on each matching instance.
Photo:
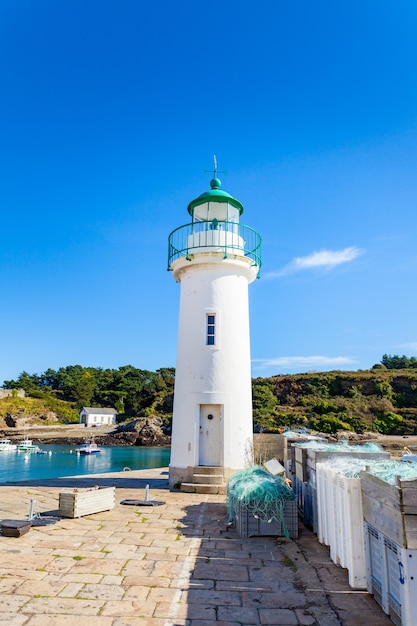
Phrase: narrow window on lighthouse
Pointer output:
(211, 329)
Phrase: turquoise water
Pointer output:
(62, 460)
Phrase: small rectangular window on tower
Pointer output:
(211, 329)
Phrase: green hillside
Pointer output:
(383, 399)
(378, 400)
(38, 411)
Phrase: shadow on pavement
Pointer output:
(122, 481)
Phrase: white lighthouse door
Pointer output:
(210, 446)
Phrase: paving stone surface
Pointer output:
(178, 564)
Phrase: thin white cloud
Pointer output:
(303, 362)
(323, 259)
(410, 345)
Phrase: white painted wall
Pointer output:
(97, 419)
(213, 375)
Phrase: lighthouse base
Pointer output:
(200, 478)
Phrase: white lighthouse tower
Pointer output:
(214, 258)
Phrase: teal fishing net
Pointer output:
(261, 493)
(303, 433)
(385, 469)
(341, 446)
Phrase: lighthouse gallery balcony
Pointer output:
(216, 237)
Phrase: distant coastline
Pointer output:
(74, 434)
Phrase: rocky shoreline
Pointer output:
(139, 432)
(150, 432)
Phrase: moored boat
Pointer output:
(89, 447)
(6, 444)
(27, 445)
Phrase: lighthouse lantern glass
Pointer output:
(221, 211)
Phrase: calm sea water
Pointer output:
(62, 460)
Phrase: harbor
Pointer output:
(64, 460)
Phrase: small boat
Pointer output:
(27, 445)
(89, 447)
(6, 444)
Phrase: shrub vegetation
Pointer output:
(382, 399)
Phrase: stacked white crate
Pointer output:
(340, 521)
(390, 513)
(391, 576)
(302, 485)
(376, 570)
(295, 473)
(292, 439)
(306, 485)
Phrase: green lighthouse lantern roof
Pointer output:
(216, 194)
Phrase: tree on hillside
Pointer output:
(396, 362)
(264, 404)
(28, 382)
(77, 384)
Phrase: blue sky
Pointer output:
(110, 113)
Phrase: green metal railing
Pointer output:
(215, 236)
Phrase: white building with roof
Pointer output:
(96, 416)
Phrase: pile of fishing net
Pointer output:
(385, 469)
(263, 494)
(341, 446)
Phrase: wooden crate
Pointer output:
(14, 528)
(85, 502)
(391, 509)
